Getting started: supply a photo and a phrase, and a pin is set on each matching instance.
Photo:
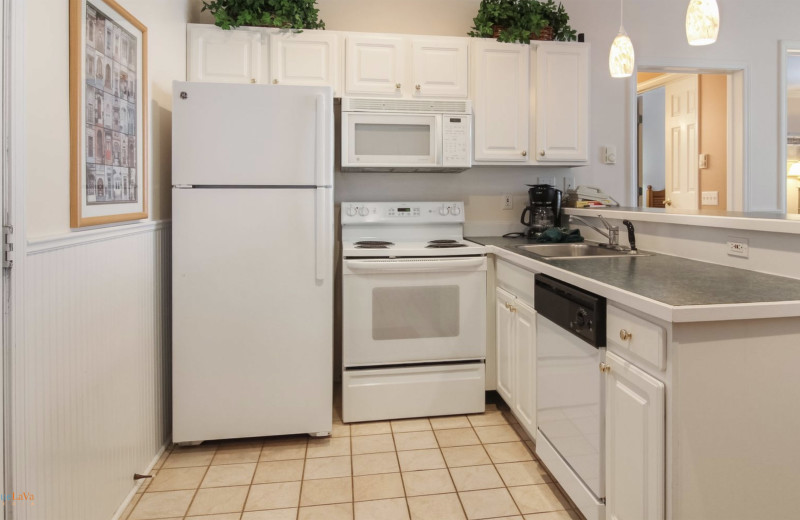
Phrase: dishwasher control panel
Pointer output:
(571, 308)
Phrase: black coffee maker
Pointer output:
(543, 210)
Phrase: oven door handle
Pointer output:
(417, 265)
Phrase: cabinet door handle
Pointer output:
(252, 80)
(605, 367)
(541, 153)
(418, 87)
(397, 86)
(274, 81)
(624, 335)
(524, 153)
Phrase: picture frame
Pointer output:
(108, 114)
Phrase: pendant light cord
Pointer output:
(621, 16)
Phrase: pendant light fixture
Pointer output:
(621, 57)
(702, 22)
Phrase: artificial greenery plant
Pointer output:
(289, 14)
(518, 20)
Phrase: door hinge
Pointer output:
(8, 246)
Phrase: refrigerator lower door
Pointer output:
(252, 313)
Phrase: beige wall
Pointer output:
(47, 105)
(713, 135)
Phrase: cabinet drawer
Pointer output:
(515, 280)
(639, 337)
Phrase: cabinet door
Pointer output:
(505, 344)
(440, 67)
(306, 58)
(221, 56)
(634, 443)
(562, 102)
(524, 406)
(374, 65)
(501, 100)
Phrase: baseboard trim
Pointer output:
(139, 483)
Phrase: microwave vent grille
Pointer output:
(406, 105)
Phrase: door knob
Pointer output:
(668, 202)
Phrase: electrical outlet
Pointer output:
(569, 184)
(508, 201)
(738, 246)
(710, 198)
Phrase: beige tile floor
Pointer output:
(442, 468)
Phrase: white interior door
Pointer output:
(252, 321)
(681, 132)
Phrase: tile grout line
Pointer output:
(400, 471)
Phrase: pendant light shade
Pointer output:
(621, 58)
(702, 22)
(794, 171)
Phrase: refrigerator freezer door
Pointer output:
(252, 135)
(252, 322)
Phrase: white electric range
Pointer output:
(413, 313)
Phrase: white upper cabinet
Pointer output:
(305, 58)
(560, 79)
(440, 67)
(500, 80)
(215, 55)
(374, 65)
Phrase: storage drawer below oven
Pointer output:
(418, 391)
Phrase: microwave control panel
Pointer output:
(456, 140)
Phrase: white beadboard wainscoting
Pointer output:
(91, 378)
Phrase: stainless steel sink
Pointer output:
(579, 250)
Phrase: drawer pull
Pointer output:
(605, 367)
(624, 335)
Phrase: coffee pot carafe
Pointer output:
(543, 210)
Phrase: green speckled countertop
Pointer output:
(670, 280)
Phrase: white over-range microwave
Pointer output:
(406, 135)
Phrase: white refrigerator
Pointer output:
(252, 261)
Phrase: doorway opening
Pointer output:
(689, 139)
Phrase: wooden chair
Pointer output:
(655, 199)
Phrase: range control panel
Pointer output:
(402, 212)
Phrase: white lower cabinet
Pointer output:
(635, 442)
(516, 357)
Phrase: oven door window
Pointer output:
(415, 312)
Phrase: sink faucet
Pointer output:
(611, 233)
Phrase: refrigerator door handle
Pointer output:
(322, 142)
(322, 233)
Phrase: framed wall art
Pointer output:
(108, 114)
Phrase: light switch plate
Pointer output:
(710, 198)
(610, 155)
(703, 162)
(569, 183)
(508, 201)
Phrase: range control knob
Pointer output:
(444, 210)
(455, 210)
(351, 211)
(363, 211)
